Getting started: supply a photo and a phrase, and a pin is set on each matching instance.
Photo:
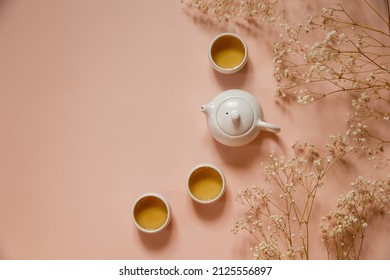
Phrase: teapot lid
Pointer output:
(235, 116)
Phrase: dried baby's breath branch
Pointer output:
(279, 222)
(352, 59)
(343, 230)
(225, 10)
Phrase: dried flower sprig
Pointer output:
(351, 59)
(343, 230)
(279, 222)
(225, 10)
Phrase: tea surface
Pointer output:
(205, 183)
(228, 52)
(150, 213)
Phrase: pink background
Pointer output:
(100, 102)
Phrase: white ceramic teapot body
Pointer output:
(234, 118)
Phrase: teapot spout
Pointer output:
(268, 126)
(205, 108)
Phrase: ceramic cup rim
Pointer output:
(212, 166)
(235, 68)
(164, 200)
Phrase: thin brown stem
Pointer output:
(388, 13)
(376, 11)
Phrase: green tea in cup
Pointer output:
(228, 53)
(206, 183)
(151, 212)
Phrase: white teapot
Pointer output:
(234, 118)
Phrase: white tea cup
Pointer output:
(228, 53)
(206, 183)
(151, 212)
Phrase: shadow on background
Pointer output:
(242, 157)
(235, 80)
(3, 6)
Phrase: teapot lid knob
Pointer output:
(235, 116)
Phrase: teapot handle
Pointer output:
(268, 126)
